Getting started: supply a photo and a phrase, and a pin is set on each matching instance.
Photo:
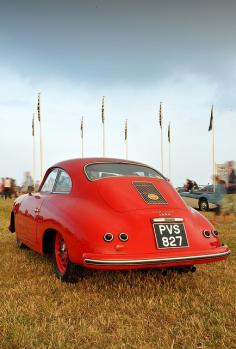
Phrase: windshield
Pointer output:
(102, 170)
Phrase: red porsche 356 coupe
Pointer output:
(112, 214)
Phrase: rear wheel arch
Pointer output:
(48, 240)
(64, 269)
(70, 272)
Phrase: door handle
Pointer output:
(36, 210)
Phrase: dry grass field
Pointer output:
(136, 309)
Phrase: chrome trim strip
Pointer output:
(168, 219)
(211, 205)
(155, 260)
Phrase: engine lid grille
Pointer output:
(149, 193)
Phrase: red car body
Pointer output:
(84, 226)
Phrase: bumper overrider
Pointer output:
(155, 260)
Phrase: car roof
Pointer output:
(76, 166)
(81, 163)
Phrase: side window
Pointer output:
(49, 182)
(63, 184)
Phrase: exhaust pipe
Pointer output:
(193, 269)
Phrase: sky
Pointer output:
(136, 54)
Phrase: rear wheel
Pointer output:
(64, 269)
(203, 205)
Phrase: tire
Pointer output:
(64, 269)
(203, 205)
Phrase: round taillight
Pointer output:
(206, 233)
(123, 237)
(108, 237)
(215, 233)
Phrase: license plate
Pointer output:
(170, 235)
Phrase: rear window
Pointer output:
(103, 170)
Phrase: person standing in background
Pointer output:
(218, 195)
(2, 188)
(13, 188)
(229, 202)
(7, 188)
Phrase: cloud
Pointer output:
(186, 100)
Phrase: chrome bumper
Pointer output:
(124, 262)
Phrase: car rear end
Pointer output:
(160, 230)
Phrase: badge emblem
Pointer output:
(153, 196)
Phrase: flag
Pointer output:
(103, 116)
(38, 108)
(82, 127)
(126, 129)
(169, 133)
(33, 126)
(211, 120)
(160, 115)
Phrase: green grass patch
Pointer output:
(131, 309)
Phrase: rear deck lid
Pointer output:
(134, 193)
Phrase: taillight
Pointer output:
(123, 237)
(215, 233)
(108, 237)
(206, 233)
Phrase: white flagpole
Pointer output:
(34, 157)
(161, 121)
(169, 152)
(104, 151)
(41, 137)
(170, 161)
(162, 165)
(126, 139)
(213, 148)
(82, 136)
(103, 127)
